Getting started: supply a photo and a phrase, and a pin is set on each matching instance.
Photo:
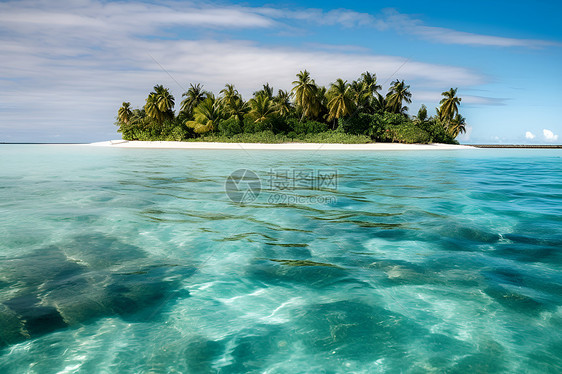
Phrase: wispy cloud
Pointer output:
(448, 36)
(127, 17)
(407, 24)
(342, 17)
(402, 23)
(145, 18)
(435, 96)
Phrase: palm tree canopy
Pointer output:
(159, 104)
(282, 102)
(320, 107)
(457, 126)
(124, 113)
(238, 109)
(193, 97)
(379, 103)
(398, 93)
(267, 90)
(370, 81)
(361, 94)
(165, 99)
(151, 107)
(207, 115)
(449, 105)
(262, 108)
(422, 113)
(341, 101)
(229, 94)
(305, 93)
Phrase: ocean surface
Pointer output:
(155, 261)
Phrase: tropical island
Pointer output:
(348, 113)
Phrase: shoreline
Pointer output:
(279, 146)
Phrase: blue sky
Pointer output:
(67, 66)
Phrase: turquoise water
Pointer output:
(136, 261)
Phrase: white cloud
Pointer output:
(435, 96)
(34, 16)
(529, 135)
(549, 136)
(343, 17)
(122, 17)
(409, 25)
(448, 36)
(403, 23)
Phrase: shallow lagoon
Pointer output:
(126, 260)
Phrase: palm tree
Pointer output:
(124, 113)
(165, 99)
(229, 94)
(379, 103)
(449, 105)
(341, 102)
(370, 81)
(305, 92)
(457, 126)
(207, 116)
(404, 110)
(151, 108)
(282, 102)
(320, 107)
(193, 97)
(267, 90)
(234, 105)
(138, 115)
(398, 93)
(361, 95)
(365, 92)
(262, 108)
(238, 109)
(422, 114)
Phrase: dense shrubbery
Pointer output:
(359, 123)
(437, 131)
(306, 127)
(269, 136)
(357, 111)
(335, 137)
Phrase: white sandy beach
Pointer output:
(284, 146)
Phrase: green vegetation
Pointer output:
(345, 113)
(269, 136)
